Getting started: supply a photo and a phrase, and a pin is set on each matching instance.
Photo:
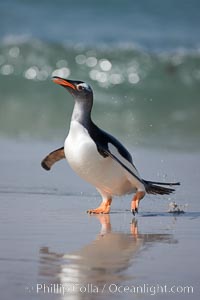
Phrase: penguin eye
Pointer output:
(80, 87)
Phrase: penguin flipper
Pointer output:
(52, 158)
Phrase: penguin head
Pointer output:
(78, 89)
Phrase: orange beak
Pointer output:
(63, 82)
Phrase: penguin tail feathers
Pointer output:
(158, 188)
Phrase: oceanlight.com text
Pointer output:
(110, 288)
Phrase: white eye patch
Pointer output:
(83, 86)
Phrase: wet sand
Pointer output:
(50, 248)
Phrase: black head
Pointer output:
(78, 89)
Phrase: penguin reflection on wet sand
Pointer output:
(98, 157)
(104, 260)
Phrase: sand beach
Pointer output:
(51, 248)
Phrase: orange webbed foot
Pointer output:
(104, 208)
(135, 202)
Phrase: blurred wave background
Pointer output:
(142, 59)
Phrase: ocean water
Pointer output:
(142, 59)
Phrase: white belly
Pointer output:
(104, 173)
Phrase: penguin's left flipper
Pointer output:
(52, 158)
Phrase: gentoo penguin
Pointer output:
(98, 157)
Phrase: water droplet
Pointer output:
(31, 73)
(80, 59)
(62, 72)
(91, 61)
(14, 52)
(133, 78)
(101, 77)
(116, 78)
(105, 65)
(93, 74)
(7, 69)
